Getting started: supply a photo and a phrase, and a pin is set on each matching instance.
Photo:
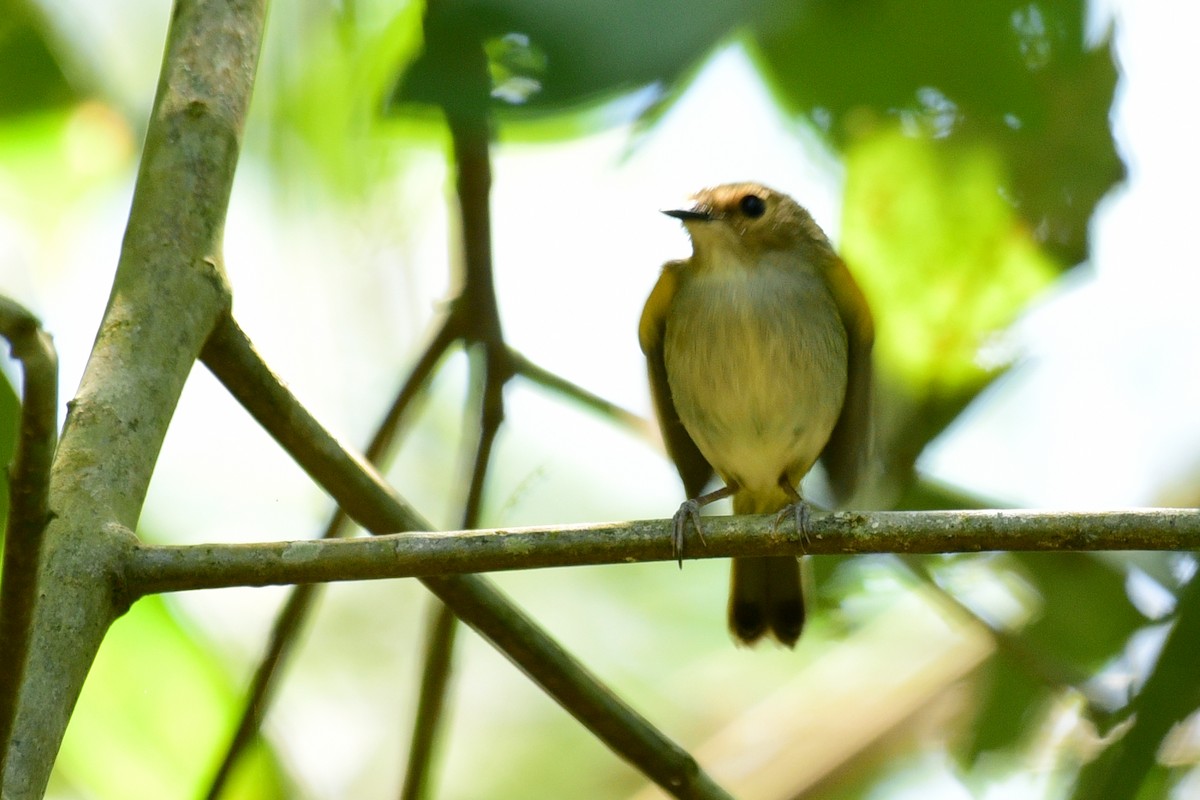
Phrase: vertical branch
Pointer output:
(439, 647)
(29, 506)
(431, 701)
(466, 109)
(168, 294)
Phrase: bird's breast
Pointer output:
(756, 362)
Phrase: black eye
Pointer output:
(753, 206)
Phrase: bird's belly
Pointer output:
(757, 371)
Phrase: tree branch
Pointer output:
(167, 568)
(431, 699)
(168, 292)
(295, 610)
(556, 383)
(476, 602)
(29, 502)
(354, 483)
(364, 496)
(479, 318)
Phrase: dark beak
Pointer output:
(699, 213)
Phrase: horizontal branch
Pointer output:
(364, 496)
(210, 566)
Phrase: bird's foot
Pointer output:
(689, 511)
(800, 513)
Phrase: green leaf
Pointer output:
(1011, 75)
(1010, 699)
(944, 259)
(25, 50)
(155, 708)
(1086, 617)
(590, 50)
(1128, 768)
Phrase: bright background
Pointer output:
(337, 248)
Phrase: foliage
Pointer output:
(121, 744)
(976, 146)
(1013, 77)
(24, 41)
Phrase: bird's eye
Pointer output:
(753, 206)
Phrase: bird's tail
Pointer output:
(765, 593)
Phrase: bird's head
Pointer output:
(747, 221)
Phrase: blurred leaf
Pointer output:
(926, 494)
(31, 77)
(945, 259)
(589, 50)
(1172, 570)
(1082, 622)
(878, 53)
(1086, 617)
(154, 709)
(54, 157)
(1011, 75)
(1128, 769)
(1010, 700)
(946, 264)
(321, 114)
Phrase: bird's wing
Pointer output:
(847, 453)
(693, 468)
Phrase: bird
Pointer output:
(758, 351)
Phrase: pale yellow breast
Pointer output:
(756, 361)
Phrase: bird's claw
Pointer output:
(688, 511)
(801, 514)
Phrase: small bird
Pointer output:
(759, 357)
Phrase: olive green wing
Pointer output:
(848, 451)
(693, 468)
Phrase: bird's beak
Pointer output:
(697, 213)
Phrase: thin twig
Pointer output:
(283, 635)
(479, 315)
(169, 568)
(440, 643)
(628, 734)
(29, 501)
(435, 675)
(439, 646)
(555, 383)
(354, 483)
(381, 443)
(232, 359)
(362, 493)
(294, 612)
